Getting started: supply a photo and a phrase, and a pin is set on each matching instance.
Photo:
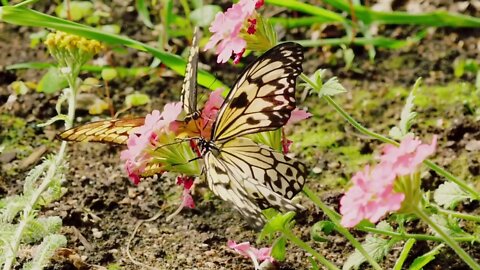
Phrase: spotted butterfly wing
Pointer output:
(251, 176)
(188, 96)
(263, 97)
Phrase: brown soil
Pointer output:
(102, 207)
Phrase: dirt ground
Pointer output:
(102, 207)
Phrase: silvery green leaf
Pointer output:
(449, 194)
(332, 87)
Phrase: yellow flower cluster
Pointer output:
(61, 40)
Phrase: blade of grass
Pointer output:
(298, 22)
(28, 17)
(376, 41)
(122, 72)
(435, 18)
(143, 13)
(308, 9)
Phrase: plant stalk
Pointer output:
(452, 243)
(334, 217)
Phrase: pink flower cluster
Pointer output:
(372, 194)
(245, 249)
(187, 182)
(144, 138)
(227, 26)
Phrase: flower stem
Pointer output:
(423, 237)
(404, 254)
(297, 241)
(454, 245)
(334, 217)
(475, 194)
(458, 215)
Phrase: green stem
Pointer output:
(403, 256)
(384, 139)
(423, 237)
(334, 217)
(454, 245)
(457, 214)
(297, 241)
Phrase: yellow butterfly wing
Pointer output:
(114, 131)
(263, 96)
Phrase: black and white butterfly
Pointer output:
(249, 175)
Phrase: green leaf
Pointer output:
(110, 28)
(143, 13)
(320, 228)
(35, 38)
(348, 56)
(109, 74)
(52, 82)
(44, 252)
(28, 17)
(204, 16)
(376, 247)
(136, 99)
(450, 194)
(78, 10)
(407, 116)
(404, 254)
(276, 222)
(423, 260)
(279, 249)
(331, 88)
(449, 225)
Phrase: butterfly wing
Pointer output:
(189, 89)
(254, 177)
(263, 96)
(107, 131)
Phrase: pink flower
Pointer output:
(187, 182)
(406, 158)
(297, 116)
(144, 138)
(371, 196)
(226, 29)
(135, 157)
(213, 104)
(256, 255)
(187, 200)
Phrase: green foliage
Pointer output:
(204, 15)
(143, 13)
(375, 246)
(407, 116)
(404, 254)
(136, 99)
(270, 138)
(423, 260)
(319, 229)
(19, 221)
(450, 194)
(77, 9)
(45, 251)
(109, 74)
(28, 17)
(52, 81)
(449, 224)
